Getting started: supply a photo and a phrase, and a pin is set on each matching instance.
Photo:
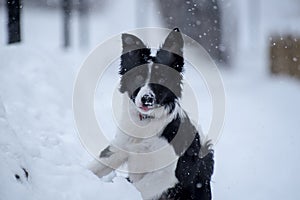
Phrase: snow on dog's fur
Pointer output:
(153, 86)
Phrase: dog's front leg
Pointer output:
(110, 158)
(153, 184)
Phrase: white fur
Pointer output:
(153, 184)
(142, 136)
(144, 90)
(107, 165)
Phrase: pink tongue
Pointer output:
(144, 108)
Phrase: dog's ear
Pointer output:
(171, 52)
(134, 53)
(174, 42)
(131, 42)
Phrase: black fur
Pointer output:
(165, 78)
(193, 171)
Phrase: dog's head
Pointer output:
(152, 82)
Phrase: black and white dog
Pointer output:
(152, 86)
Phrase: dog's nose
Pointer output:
(147, 100)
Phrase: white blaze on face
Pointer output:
(144, 91)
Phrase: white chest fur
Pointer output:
(154, 176)
(152, 160)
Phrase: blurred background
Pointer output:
(255, 44)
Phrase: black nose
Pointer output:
(147, 100)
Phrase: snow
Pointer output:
(37, 133)
(256, 157)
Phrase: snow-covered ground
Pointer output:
(256, 158)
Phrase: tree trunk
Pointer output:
(83, 10)
(13, 23)
(66, 7)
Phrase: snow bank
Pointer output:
(37, 132)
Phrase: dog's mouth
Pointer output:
(146, 108)
(144, 112)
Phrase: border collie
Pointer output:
(151, 84)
